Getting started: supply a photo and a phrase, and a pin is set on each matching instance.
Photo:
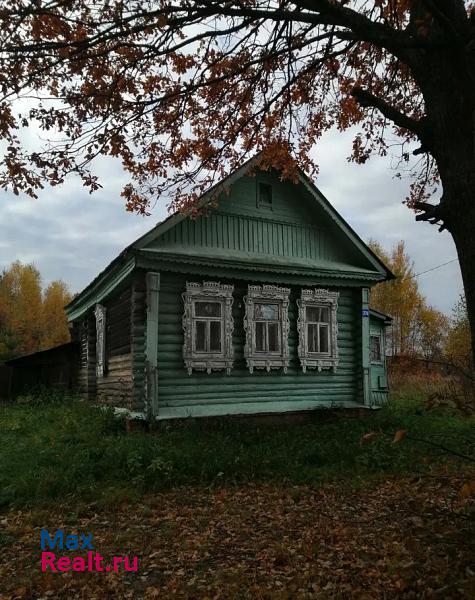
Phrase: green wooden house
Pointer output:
(260, 305)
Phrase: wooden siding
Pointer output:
(180, 394)
(252, 235)
(87, 357)
(138, 333)
(295, 228)
(118, 326)
(115, 387)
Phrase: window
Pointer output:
(318, 329)
(100, 314)
(267, 327)
(208, 327)
(375, 348)
(265, 195)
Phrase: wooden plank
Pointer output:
(151, 348)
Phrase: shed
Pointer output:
(54, 367)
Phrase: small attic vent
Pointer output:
(265, 195)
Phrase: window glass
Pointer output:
(215, 336)
(266, 312)
(323, 338)
(260, 337)
(313, 314)
(265, 195)
(312, 337)
(207, 309)
(318, 314)
(200, 336)
(273, 336)
(375, 348)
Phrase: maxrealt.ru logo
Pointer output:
(81, 542)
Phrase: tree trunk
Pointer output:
(459, 206)
(463, 233)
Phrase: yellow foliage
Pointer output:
(30, 320)
(417, 328)
(458, 347)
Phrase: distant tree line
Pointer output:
(32, 318)
(418, 329)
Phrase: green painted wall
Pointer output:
(180, 395)
(294, 228)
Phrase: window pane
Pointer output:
(318, 314)
(323, 338)
(312, 338)
(313, 313)
(375, 346)
(273, 333)
(215, 336)
(207, 309)
(260, 337)
(200, 336)
(266, 312)
(265, 194)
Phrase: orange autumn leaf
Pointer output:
(399, 435)
(367, 438)
(468, 489)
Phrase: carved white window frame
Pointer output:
(318, 298)
(208, 291)
(270, 294)
(100, 314)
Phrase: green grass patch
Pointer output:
(51, 450)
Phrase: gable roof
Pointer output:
(316, 194)
(124, 263)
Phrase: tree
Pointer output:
(30, 319)
(432, 333)
(183, 91)
(417, 329)
(20, 296)
(458, 340)
(55, 326)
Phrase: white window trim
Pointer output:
(270, 360)
(316, 360)
(208, 291)
(100, 314)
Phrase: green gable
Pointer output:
(297, 236)
(296, 230)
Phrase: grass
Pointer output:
(65, 449)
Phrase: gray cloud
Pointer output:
(71, 235)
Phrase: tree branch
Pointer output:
(432, 213)
(366, 99)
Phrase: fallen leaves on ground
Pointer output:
(399, 539)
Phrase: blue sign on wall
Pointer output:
(365, 312)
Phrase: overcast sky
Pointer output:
(71, 235)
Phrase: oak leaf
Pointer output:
(399, 435)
